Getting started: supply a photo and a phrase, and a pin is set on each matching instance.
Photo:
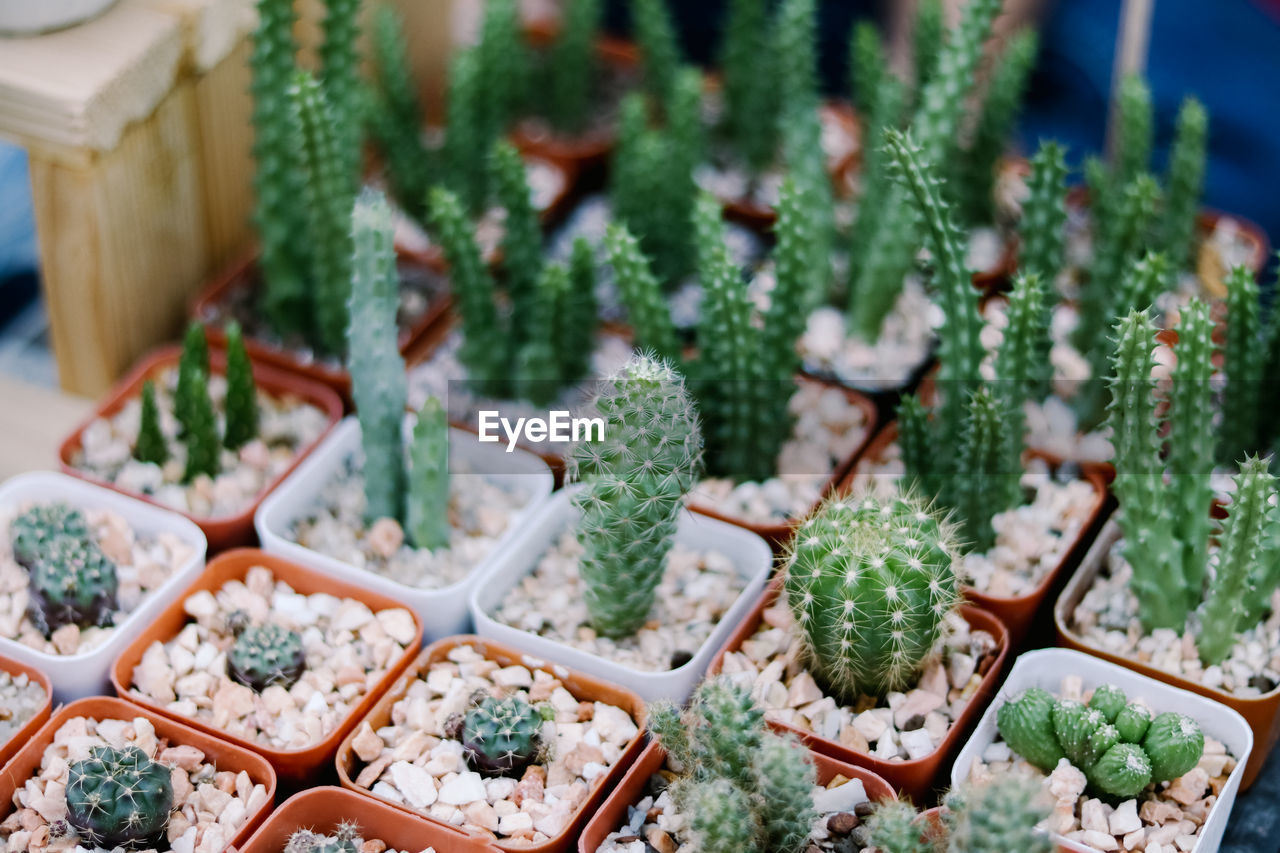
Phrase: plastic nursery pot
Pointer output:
(221, 531)
(222, 754)
(748, 552)
(245, 274)
(87, 673)
(1047, 667)
(1262, 712)
(613, 812)
(584, 687)
(442, 611)
(291, 764)
(914, 778)
(778, 532)
(32, 17)
(10, 747)
(322, 809)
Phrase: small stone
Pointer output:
(917, 743)
(1124, 819)
(415, 784)
(802, 690)
(659, 840)
(1189, 787)
(463, 788)
(1092, 816)
(385, 537)
(842, 823)
(515, 823)
(367, 745)
(842, 798)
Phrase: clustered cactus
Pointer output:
(1002, 815)
(746, 789)
(119, 798)
(871, 584)
(1251, 365)
(346, 838)
(72, 581)
(1119, 746)
(635, 481)
(572, 68)
(266, 655)
(501, 737)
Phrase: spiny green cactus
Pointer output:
(728, 732)
(1026, 724)
(72, 583)
(576, 315)
(799, 280)
(346, 839)
(377, 369)
(871, 583)
(868, 66)
(1185, 182)
(1132, 722)
(647, 309)
(427, 506)
(1022, 361)
(915, 438)
(1109, 700)
(1003, 814)
(722, 818)
(466, 132)
(1249, 521)
(1149, 277)
(150, 446)
(1042, 230)
(504, 68)
(201, 437)
(192, 364)
(572, 67)
(892, 828)
(750, 94)
(521, 238)
(984, 484)
(1134, 129)
(1074, 727)
(785, 780)
(241, 405)
(119, 798)
(36, 529)
(502, 736)
(795, 55)
(1174, 743)
(266, 655)
(1244, 366)
(660, 53)
(927, 37)
(537, 368)
(340, 77)
(635, 481)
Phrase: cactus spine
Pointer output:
(427, 510)
(266, 655)
(502, 736)
(150, 446)
(870, 584)
(119, 798)
(636, 478)
(241, 405)
(1185, 182)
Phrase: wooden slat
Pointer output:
(223, 110)
(211, 28)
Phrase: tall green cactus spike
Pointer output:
(150, 446)
(327, 197)
(201, 436)
(635, 480)
(1185, 182)
(1134, 129)
(241, 405)
(504, 67)
(1149, 277)
(427, 504)
(474, 295)
(1244, 366)
(729, 733)
(537, 368)
(892, 828)
(722, 819)
(192, 364)
(984, 485)
(750, 94)
(800, 282)
(577, 315)
(1022, 362)
(1003, 814)
(785, 780)
(394, 115)
(573, 67)
(917, 440)
(927, 37)
(1103, 195)
(1249, 517)
(867, 66)
(685, 147)
(277, 182)
(870, 584)
(378, 382)
(646, 307)
(795, 53)
(660, 53)
(1042, 231)
(467, 132)
(975, 188)
(667, 725)
(1191, 448)
(521, 239)
(340, 78)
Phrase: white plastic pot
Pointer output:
(749, 553)
(28, 17)
(443, 611)
(1046, 669)
(87, 674)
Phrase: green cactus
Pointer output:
(576, 315)
(427, 502)
(1147, 278)
(537, 367)
(267, 655)
(868, 66)
(1132, 723)
(722, 820)
(1109, 700)
(915, 438)
(1026, 724)
(785, 779)
(892, 828)
(728, 732)
(502, 737)
(1174, 743)
(1074, 724)
(884, 246)
(36, 530)
(794, 57)
(870, 584)
(192, 364)
(521, 238)
(119, 798)
(750, 95)
(635, 480)
(1042, 230)
(1244, 364)
(1099, 743)
(667, 725)
(1022, 366)
(646, 307)
(799, 281)
(659, 51)
(927, 37)
(474, 295)
(983, 484)
(150, 445)
(1001, 815)
(340, 78)
(572, 67)
(72, 583)
(1123, 771)
(345, 840)
(378, 383)
(201, 437)
(1185, 182)
(241, 404)
(503, 68)
(1134, 129)
(467, 133)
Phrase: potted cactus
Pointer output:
(655, 588)
(520, 754)
(1001, 815)
(206, 433)
(128, 779)
(404, 505)
(893, 670)
(718, 778)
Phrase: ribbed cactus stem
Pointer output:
(201, 436)
(984, 484)
(867, 66)
(798, 281)
(750, 96)
(577, 315)
(646, 306)
(1148, 277)
(241, 406)
(1244, 366)
(892, 828)
(467, 132)
(1042, 231)
(927, 37)
(1185, 182)
(685, 145)
(795, 53)
(1003, 814)
(785, 781)
(192, 364)
(1248, 520)
(1134, 129)
(728, 734)
(150, 445)
(378, 383)
(721, 818)
(521, 240)
(1022, 362)
(572, 67)
(916, 437)
(394, 116)
(340, 77)
(660, 54)
(427, 505)
(537, 368)
(503, 67)
(636, 478)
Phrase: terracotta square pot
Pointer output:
(10, 747)
(225, 755)
(583, 687)
(224, 531)
(291, 764)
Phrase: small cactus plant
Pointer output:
(1003, 814)
(266, 655)
(201, 435)
(893, 828)
(427, 510)
(871, 584)
(502, 736)
(344, 839)
(72, 583)
(36, 529)
(241, 405)
(1185, 181)
(150, 445)
(119, 798)
(193, 363)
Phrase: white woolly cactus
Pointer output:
(871, 584)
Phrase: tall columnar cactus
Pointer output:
(1244, 366)
(327, 198)
(521, 239)
(984, 484)
(377, 369)
(502, 736)
(636, 478)
(576, 316)
(1185, 182)
(150, 446)
(72, 583)
(119, 797)
(1134, 130)
(1042, 231)
(750, 94)
(466, 132)
(201, 436)
(795, 54)
(892, 828)
(393, 113)
(572, 67)
(923, 469)
(503, 70)
(427, 505)
(785, 780)
(871, 583)
(1148, 277)
(646, 306)
(192, 364)
(537, 367)
(722, 818)
(867, 66)
(1003, 814)
(660, 54)
(266, 655)
(474, 294)
(1249, 521)
(928, 35)
(1022, 362)
(340, 77)
(241, 404)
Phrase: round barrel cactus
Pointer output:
(263, 655)
(1174, 743)
(1109, 700)
(32, 532)
(1132, 723)
(502, 736)
(1026, 724)
(1123, 771)
(119, 798)
(72, 583)
(870, 583)
(1074, 724)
